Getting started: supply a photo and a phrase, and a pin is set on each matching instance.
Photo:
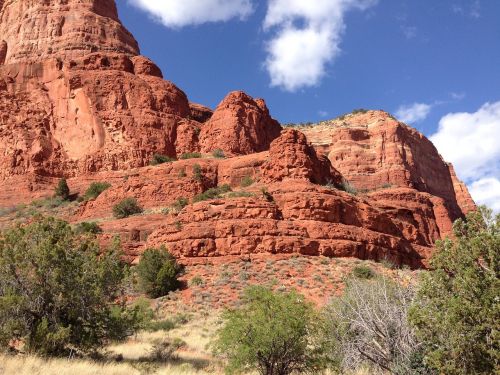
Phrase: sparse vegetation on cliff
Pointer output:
(95, 189)
(62, 190)
(213, 193)
(127, 207)
(158, 159)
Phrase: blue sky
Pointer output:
(430, 62)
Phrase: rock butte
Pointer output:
(77, 100)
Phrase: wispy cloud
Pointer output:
(414, 113)
(470, 142)
(180, 13)
(306, 38)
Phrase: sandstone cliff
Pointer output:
(78, 100)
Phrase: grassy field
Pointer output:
(193, 358)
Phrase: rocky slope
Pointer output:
(78, 101)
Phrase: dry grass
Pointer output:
(21, 365)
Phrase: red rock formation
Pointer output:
(291, 157)
(464, 198)
(37, 30)
(200, 113)
(373, 150)
(77, 100)
(239, 126)
(303, 219)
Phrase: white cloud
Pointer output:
(180, 13)
(471, 141)
(307, 37)
(413, 113)
(487, 192)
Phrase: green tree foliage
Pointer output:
(62, 189)
(158, 272)
(363, 272)
(272, 333)
(127, 207)
(57, 291)
(88, 227)
(95, 189)
(457, 314)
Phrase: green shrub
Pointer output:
(213, 193)
(158, 159)
(272, 333)
(160, 325)
(88, 227)
(348, 188)
(197, 172)
(95, 189)
(62, 190)
(246, 181)
(267, 195)
(126, 208)
(363, 272)
(180, 203)
(218, 154)
(182, 173)
(58, 290)
(190, 155)
(158, 272)
(457, 309)
(359, 110)
(196, 281)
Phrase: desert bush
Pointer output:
(127, 207)
(218, 154)
(158, 272)
(267, 195)
(246, 181)
(158, 159)
(160, 325)
(95, 189)
(180, 203)
(359, 110)
(348, 188)
(196, 281)
(368, 327)
(213, 193)
(272, 333)
(363, 272)
(190, 155)
(197, 172)
(88, 227)
(164, 350)
(58, 290)
(62, 190)
(457, 309)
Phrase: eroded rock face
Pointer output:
(36, 30)
(303, 219)
(373, 150)
(77, 100)
(239, 126)
(291, 157)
